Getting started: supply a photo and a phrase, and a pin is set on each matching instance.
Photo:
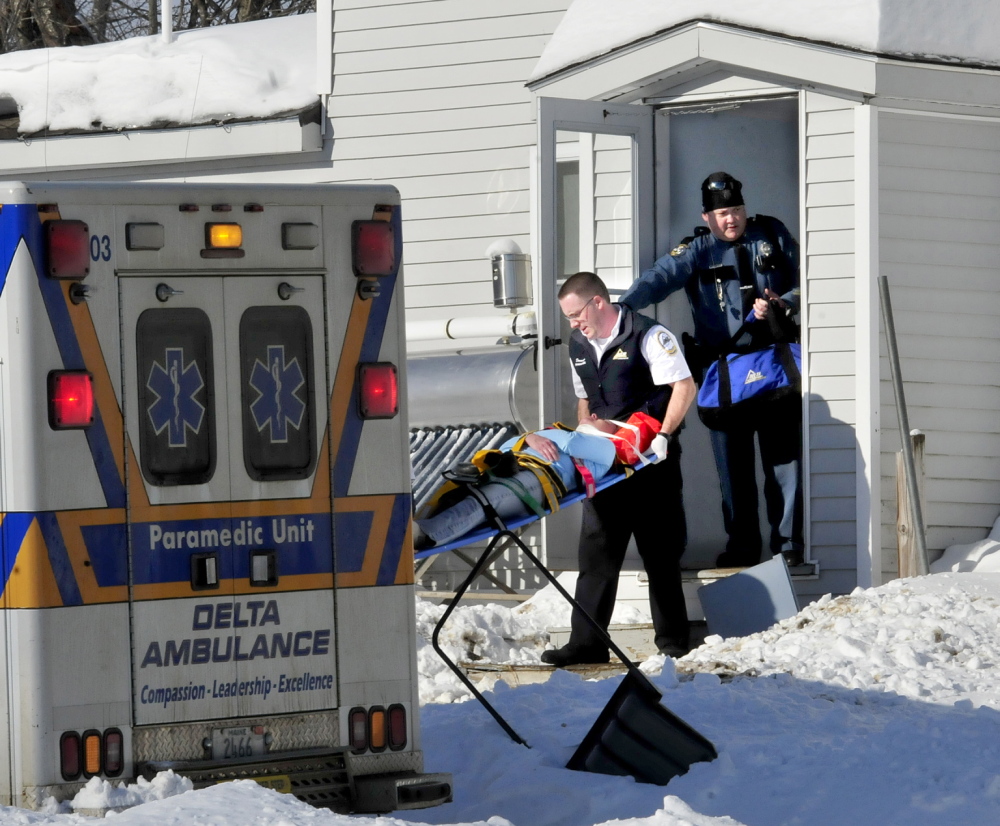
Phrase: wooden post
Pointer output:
(906, 544)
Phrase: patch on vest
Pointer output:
(621, 355)
(666, 341)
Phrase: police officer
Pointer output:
(741, 268)
(623, 363)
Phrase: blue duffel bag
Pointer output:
(737, 387)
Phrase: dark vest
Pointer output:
(618, 387)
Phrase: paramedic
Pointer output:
(623, 363)
(741, 269)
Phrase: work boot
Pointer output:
(793, 557)
(673, 649)
(576, 654)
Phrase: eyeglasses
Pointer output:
(571, 317)
(718, 186)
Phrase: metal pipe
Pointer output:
(521, 324)
(909, 467)
(167, 20)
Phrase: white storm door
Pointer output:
(603, 222)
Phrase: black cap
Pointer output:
(719, 191)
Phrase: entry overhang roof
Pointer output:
(951, 32)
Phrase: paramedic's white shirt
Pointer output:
(659, 348)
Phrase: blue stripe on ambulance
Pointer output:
(106, 550)
(394, 541)
(151, 566)
(69, 591)
(14, 529)
(21, 221)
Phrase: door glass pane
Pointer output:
(568, 217)
(594, 228)
(177, 427)
(278, 396)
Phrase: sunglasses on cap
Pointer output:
(718, 186)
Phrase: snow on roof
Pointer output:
(244, 70)
(953, 31)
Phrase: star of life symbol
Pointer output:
(753, 376)
(277, 384)
(175, 409)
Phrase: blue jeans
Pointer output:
(467, 514)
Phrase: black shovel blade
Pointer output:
(636, 735)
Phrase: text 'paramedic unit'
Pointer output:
(205, 494)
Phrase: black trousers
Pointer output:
(648, 505)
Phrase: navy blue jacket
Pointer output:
(708, 270)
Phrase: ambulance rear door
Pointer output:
(225, 396)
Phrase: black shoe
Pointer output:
(575, 654)
(421, 541)
(674, 650)
(737, 559)
(793, 557)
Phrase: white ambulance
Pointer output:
(204, 491)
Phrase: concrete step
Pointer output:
(635, 640)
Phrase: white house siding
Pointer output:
(939, 190)
(613, 210)
(829, 332)
(429, 94)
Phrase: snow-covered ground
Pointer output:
(880, 707)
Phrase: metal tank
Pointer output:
(475, 385)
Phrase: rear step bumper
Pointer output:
(320, 777)
(404, 790)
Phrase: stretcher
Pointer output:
(488, 532)
(619, 742)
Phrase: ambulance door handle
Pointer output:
(286, 290)
(164, 292)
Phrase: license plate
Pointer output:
(238, 743)
(279, 782)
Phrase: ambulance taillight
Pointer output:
(397, 727)
(114, 752)
(379, 390)
(69, 755)
(373, 248)
(67, 247)
(376, 729)
(357, 729)
(91, 753)
(71, 399)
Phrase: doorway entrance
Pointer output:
(618, 187)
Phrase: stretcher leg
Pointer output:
(484, 559)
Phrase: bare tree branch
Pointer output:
(33, 24)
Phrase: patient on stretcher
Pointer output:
(516, 479)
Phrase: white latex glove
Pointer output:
(659, 447)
